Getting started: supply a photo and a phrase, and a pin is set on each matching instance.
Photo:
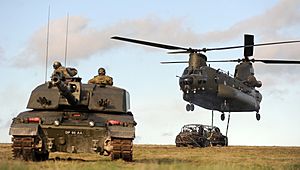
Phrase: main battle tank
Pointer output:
(68, 116)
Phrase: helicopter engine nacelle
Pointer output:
(258, 84)
(252, 82)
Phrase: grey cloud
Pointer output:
(84, 41)
(271, 25)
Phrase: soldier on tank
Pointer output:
(101, 78)
(65, 72)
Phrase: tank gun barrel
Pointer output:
(65, 89)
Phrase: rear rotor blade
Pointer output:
(277, 61)
(263, 61)
(240, 60)
(153, 44)
(247, 46)
(275, 43)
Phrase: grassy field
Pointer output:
(147, 157)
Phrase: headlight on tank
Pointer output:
(56, 122)
(91, 123)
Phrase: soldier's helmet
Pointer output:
(101, 71)
(56, 64)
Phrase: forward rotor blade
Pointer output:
(180, 52)
(216, 61)
(278, 61)
(190, 50)
(173, 62)
(153, 44)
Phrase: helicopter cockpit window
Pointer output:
(197, 72)
(186, 71)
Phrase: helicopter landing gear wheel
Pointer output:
(192, 107)
(222, 116)
(189, 107)
(257, 116)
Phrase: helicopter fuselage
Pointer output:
(214, 89)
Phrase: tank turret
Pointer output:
(63, 92)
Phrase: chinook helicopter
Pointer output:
(214, 89)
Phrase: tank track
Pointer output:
(23, 148)
(122, 149)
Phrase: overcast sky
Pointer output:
(156, 100)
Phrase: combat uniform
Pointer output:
(101, 78)
(65, 72)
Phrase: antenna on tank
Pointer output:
(47, 45)
(66, 45)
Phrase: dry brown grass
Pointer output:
(169, 157)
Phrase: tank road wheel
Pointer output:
(24, 148)
(122, 149)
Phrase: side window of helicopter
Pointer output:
(217, 79)
(201, 81)
(235, 73)
(186, 71)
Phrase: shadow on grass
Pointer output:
(142, 161)
(73, 159)
(161, 161)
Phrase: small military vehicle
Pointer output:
(66, 115)
(197, 135)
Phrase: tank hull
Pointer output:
(109, 134)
